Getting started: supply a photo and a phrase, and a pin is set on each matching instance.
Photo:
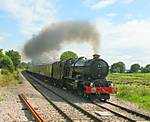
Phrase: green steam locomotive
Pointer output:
(85, 76)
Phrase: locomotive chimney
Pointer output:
(96, 56)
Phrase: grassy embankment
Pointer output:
(134, 87)
(9, 79)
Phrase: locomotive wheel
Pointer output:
(80, 93)
(61, 86)
(90, 97)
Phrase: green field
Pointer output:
(134, 87)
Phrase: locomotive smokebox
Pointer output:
(96, 56)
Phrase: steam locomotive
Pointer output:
(85, 76)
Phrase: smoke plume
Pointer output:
(51, 38)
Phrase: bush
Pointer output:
(4, 72)
(15, 57)
(6, 63)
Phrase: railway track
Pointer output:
(37, 117)
(146, 117)
(122, 112)
(70, 111)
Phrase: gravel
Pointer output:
(129, 105)
(12, 109)
(70, 111)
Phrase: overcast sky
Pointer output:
(124, 25)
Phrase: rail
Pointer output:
(37, 117)
(130, 111)
(67, 101)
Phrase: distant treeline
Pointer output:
(120, 67)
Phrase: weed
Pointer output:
(1, 99)
(9, 79)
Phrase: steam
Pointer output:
(51, 38)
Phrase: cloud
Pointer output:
(128, 41)
(1, 38)
(128, 15)
(103, 3)
(31, 15)
(4, 36)
(128, 1)
(112, 14)
(134, 33)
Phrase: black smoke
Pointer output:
(51, 38)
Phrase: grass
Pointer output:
(131, 78)
(133, 87)
(1, 99)
(136, 94)
(8, 79)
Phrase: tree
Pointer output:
(1, 53)
(118, 67)
(67, 55)
(6, 63)
(134, 68)
(15, 57)
(146, 69)
(23, 65)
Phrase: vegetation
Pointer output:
(24, 65)
(146, 69)
(1, 53)
(118, 67)
(15, 57)
(1, 98)
(134, 87)
(135, 68)
(6, 63)
(130, 78)
(67, 55)
(9, 64)
(10, 61)
(9, 78)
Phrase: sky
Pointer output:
(124, 26)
